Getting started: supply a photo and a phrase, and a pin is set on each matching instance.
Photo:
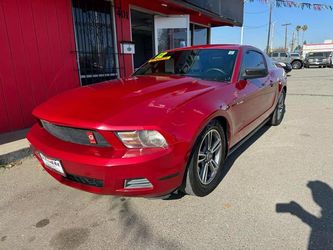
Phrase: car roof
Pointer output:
(216, 46)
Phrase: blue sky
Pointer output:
(256, 15)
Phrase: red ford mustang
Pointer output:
(168, 127)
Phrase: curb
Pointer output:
(15, 156)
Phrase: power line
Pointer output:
(256, 12)
(256, 27)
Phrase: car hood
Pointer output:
(134, 101)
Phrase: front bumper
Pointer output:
(104, 170)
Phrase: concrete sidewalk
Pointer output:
(13, 146)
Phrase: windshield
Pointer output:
(207, 64)
(316, 54)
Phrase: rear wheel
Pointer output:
(296, 65)
(205, 166)
(279, 111)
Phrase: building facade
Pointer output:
(50, 46)
(326, 46)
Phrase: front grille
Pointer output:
(85, 180)
(74, 135)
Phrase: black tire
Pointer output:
(193, 184)
(279, 111)
(296, 64)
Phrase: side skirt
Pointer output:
(234, 148)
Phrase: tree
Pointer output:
(304, 28)
(298, 29)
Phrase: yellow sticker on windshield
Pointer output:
(160, 57)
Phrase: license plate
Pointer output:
(53, 164)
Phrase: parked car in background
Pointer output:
(318, 59)
(281, 57)
(286, 66)
(170, 126)
(296, 61)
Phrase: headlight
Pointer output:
(142, 139)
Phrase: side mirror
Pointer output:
(254, 73)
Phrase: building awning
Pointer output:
(221, 12)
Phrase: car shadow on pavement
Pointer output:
(135, 229)
(321, 227)
(239, 151)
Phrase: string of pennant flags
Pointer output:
(293, 4)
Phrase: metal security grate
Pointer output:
(85, 180)
(93, 22)
(74, 135)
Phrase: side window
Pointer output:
(275, 54)
(283, 54)
(253, 60)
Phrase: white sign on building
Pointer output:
(318, 47)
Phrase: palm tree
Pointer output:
(298, 28)
(304, 28)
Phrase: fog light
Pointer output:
(137, 183)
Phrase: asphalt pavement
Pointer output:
(276, 194)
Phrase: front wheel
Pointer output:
(279, 111)
(205, 166)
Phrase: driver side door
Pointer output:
(251, 100)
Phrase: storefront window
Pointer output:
(94, 39)
(199, 35)
(171, 38)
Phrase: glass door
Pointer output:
(171, 32)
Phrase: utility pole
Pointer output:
(286, 34)
(293, 42)
(272, 35)
(269, 28)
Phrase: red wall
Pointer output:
(123, 33)
(37, 52)
(37, 58)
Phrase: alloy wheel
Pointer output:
(209, 156)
